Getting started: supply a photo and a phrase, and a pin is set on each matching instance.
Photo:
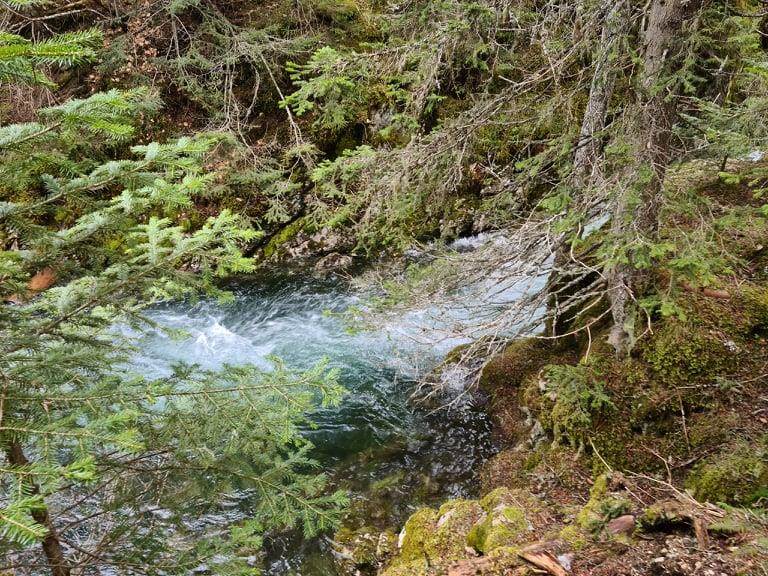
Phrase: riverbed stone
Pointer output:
(363, 550)
(333, 261)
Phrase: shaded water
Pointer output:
(390, 454)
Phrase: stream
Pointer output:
(390, 454)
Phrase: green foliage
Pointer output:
(217, 59)
(23, 61)
(577, 397)
(16, 522)
(107, 228)
(333, 82)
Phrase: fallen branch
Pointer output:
(544, 560)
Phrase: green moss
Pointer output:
(433, 537)
(603, 506)
(456, 354)
(456, 519)
(285, 235)
(506, 522)
(575, 536)
(418, 530)
(503, 526)
(664, 514)
(755, 302)
(504, 558)
(387, 483)
(520, 359)
(501, 521)
(736, 476)
(681, 353)
(414, 568)
(457, 217)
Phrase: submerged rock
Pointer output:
(362, 551)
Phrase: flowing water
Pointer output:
(391, 454)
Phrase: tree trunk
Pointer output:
(587, 163)
(587, 158)
(52, 548)
(636, 207)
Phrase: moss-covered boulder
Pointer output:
(738, 475)
(665, 514)
(518, 360)
(604, 504)
(680, 353)
(755, 303)
(278, 243)
(439, 535)
(506, 520)
(461, 530)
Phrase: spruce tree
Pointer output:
(91, 233)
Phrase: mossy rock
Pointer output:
(276, 244)
(413, 568)
(576, 538)
(507, 521)
(520, 359)
(738, 475)
(456, 520)
(434, 539)
(603, 506)
(439, 535)
(755, 302)
(417, 532)
(503, 526)
(665, 514)
(681, 353)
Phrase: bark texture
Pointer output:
(54, 553)
(637, 204)
(588, 162)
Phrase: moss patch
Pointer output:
(681, 353)
(518, 360)
(755, 302)
(417, 533)
(503, 520)
(603, 506)
(276, 244)
(738, 475)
